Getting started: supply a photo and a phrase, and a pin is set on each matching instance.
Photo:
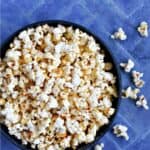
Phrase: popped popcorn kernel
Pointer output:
(119, 34)
(130, 93)
(127, 66)
(99, 146)
(121, 131)
(137, 79)
(143, 29)
(142, 102)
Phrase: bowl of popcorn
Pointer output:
(59, 87)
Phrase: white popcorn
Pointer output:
(92, 45)
(143, 29)
(76, 79)
(137, 79)
(13, 54)
(91, 133)
(31, 126)
(49, 85)
(17, 44)
(66, 142)
(37, 37)
(60, 47)
(100, 117)
(59, 125)
(58, 32)
(127, 66)
(26, 39)
(120, 34)
(12, 84)
(93, 99)
(99, 146)
(39, 78)
(43, 97)
(142, 102)
(44, 114)
(10, 114)
(108, 76)
(72, 126)
(106, 102)
(55, 83)
(130, 93)
(43, 125)
(52, 102)
(121, 131)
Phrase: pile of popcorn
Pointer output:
(56, 90)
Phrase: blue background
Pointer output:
(102, 17)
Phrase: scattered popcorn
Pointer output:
(127, 66)
(99, 146)
(142, 102)
(56, 83)
(130, 93)
(120, 34)
(143, 29)
(121, 131)
(137, 79)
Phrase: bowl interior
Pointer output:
(109, 57)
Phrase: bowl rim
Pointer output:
(54, 23)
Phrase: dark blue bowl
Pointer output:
(109, 57)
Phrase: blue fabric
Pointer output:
(102, 17)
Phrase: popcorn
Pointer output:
(100, 117)
(39, 78)
(76, 80)
(55, 83)
(66, 142)
(121, 131)
(127, 66)
(143, 29)
(59, 125)
(58, 31)
(93, 99)
(52, 102)
(142, 102)
(106, 102)
(92, 45)
(10, 113)
(120, 34)
(91, 133)
(130, 93)
(13, 55)
(12, 84)
(72, 126)
(43, 97)
(136, 79)
(99, 146)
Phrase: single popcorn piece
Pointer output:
(120, 34)
(130, 93)
(99, 146)
(142, 102)
(143, 29)
(137, 79)
(10, 113)
(121, 131)
(127, 66)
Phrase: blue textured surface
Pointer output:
(102, 17)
